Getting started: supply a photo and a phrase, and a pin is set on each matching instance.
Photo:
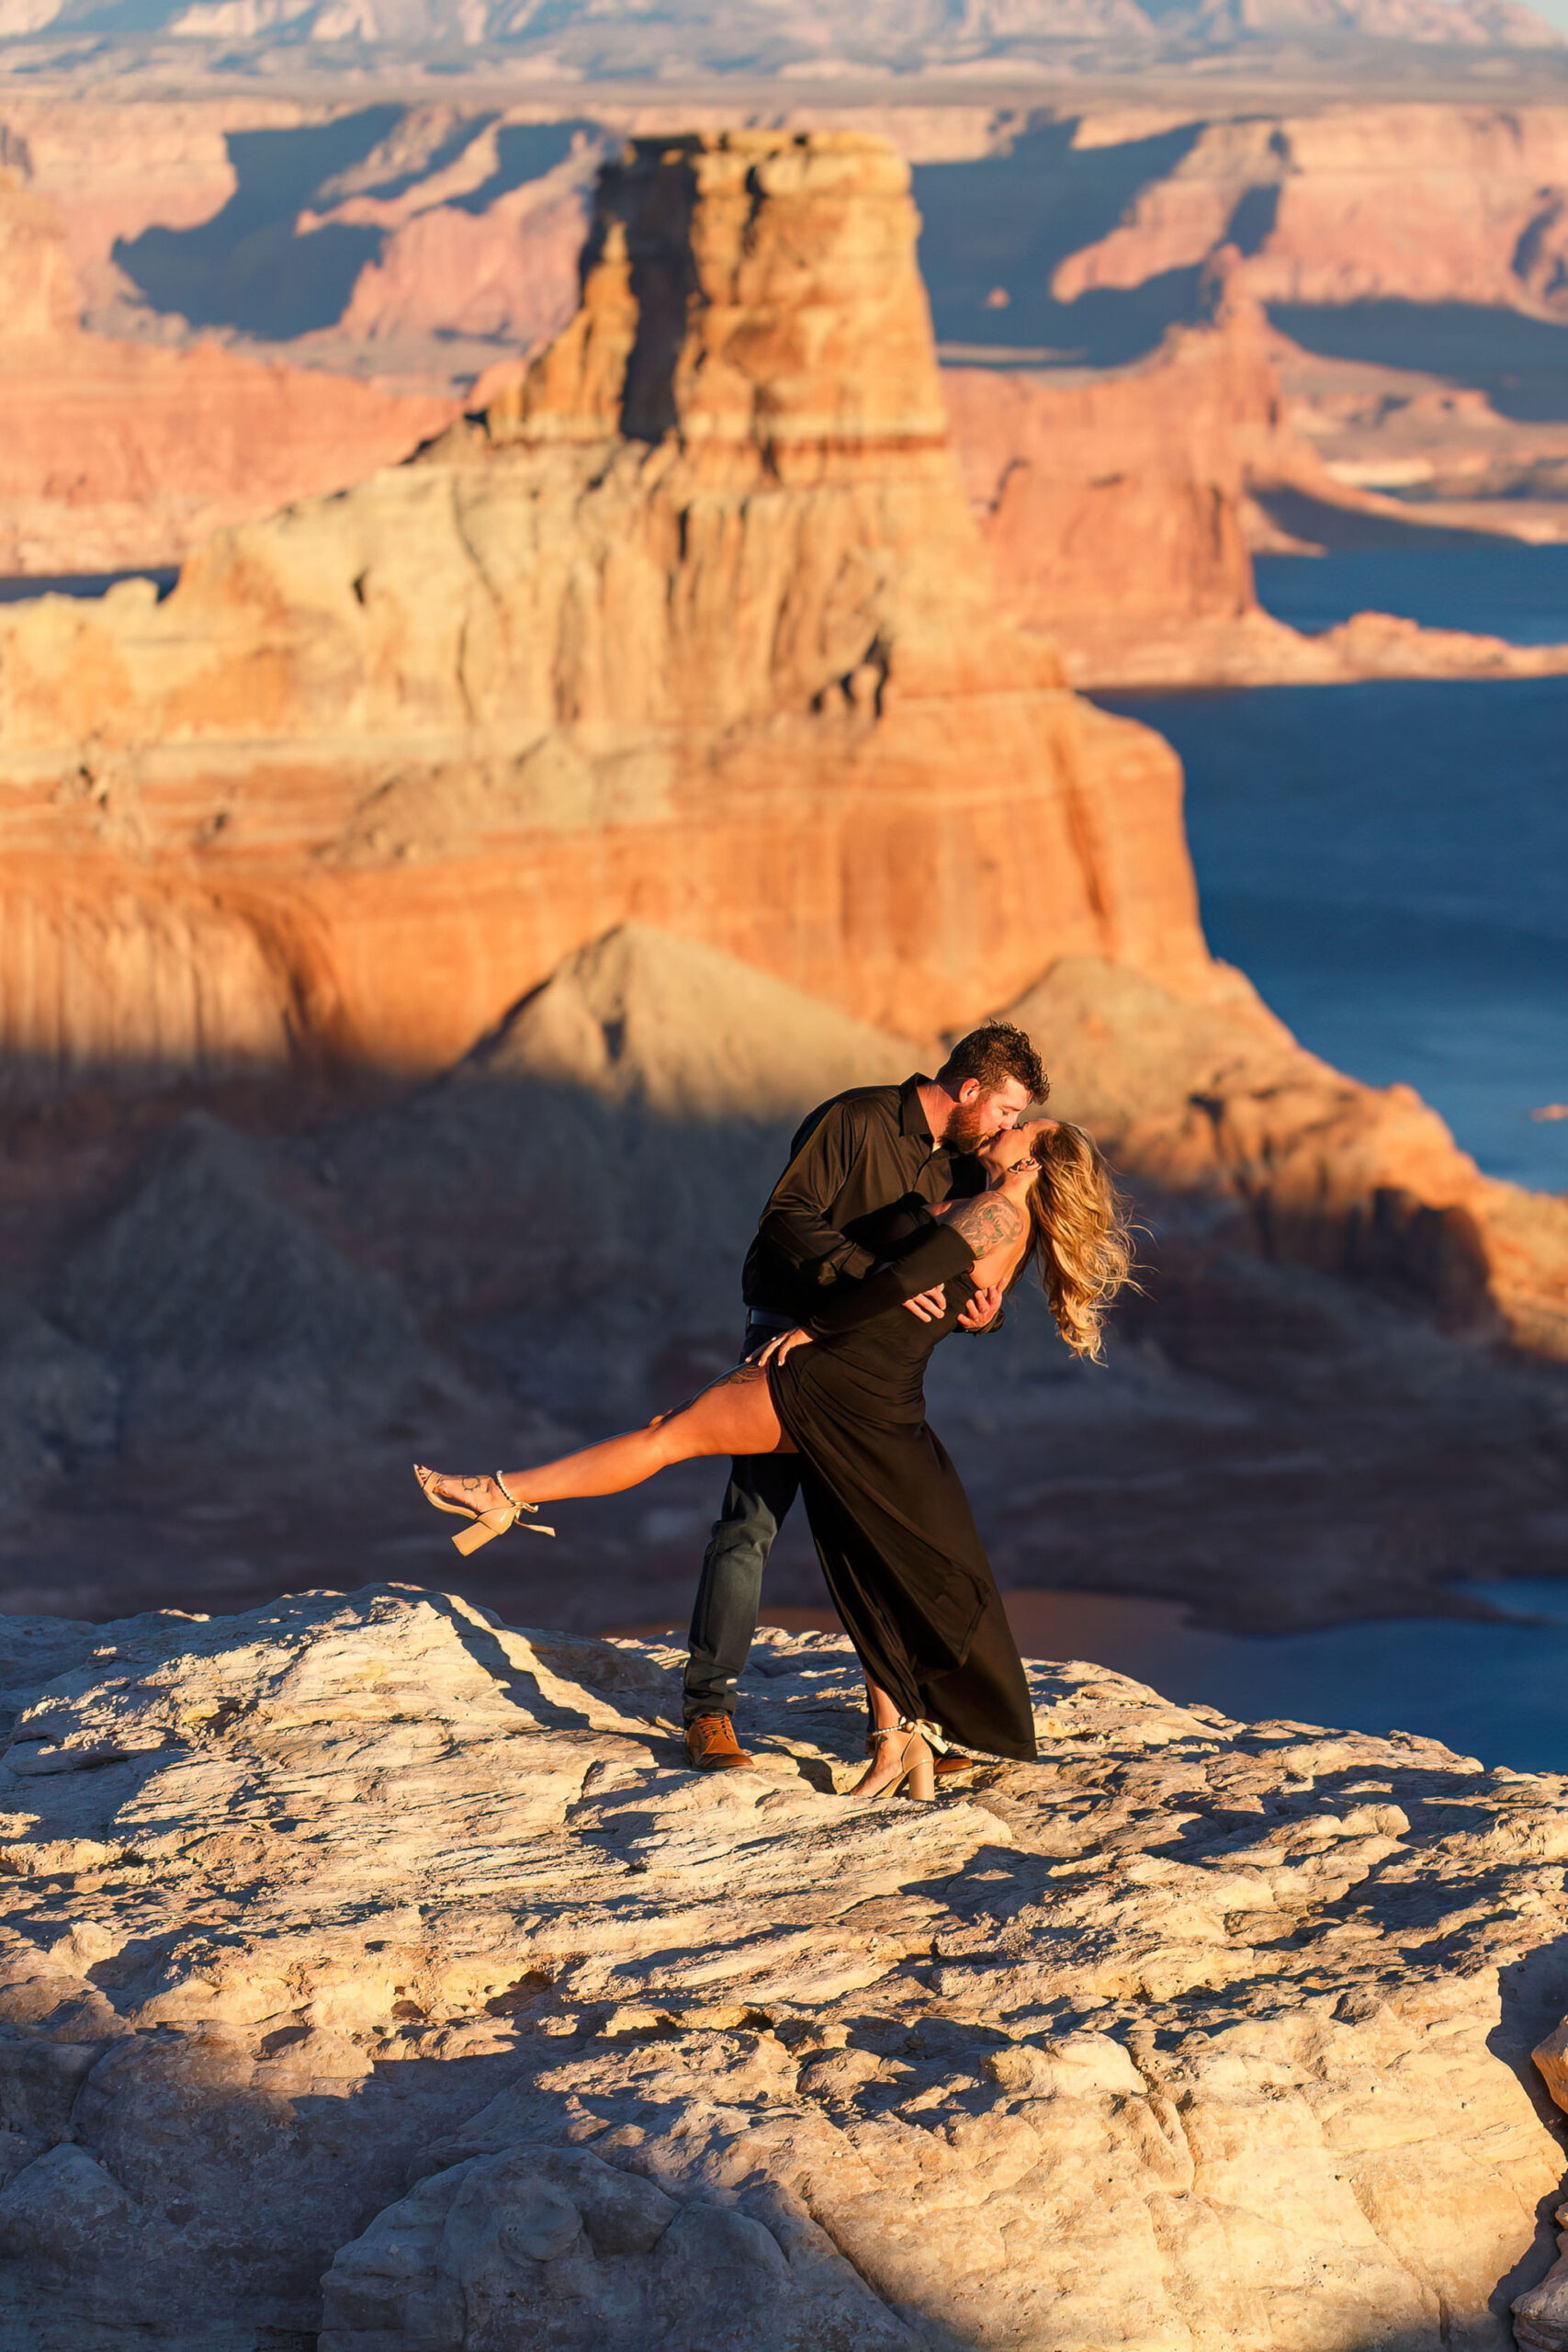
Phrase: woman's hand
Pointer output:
(982, 1307)
(780, 1344)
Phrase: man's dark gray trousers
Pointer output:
(729, 1592)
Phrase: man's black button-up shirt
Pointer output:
(852, 1160)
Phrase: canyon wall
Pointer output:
(117, 453)
(423, 246)
(1120, 498)
(1410, 202)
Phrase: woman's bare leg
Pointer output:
(884, 1714)
(735, 1415)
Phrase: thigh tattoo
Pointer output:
(744, 1375)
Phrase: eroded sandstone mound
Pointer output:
(374, 1968)
(1331, 1173)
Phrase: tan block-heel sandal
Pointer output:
(911, 1767)
(486, 1522)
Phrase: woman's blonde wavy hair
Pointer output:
(1079, 1236)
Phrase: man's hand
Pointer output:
(931, 1305)
(982, 1307)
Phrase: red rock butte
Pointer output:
(693, 626)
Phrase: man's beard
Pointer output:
(966, 1128)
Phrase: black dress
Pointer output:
(892, 1523)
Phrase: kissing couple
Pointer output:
(905, 1213)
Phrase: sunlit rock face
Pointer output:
(694, 625)
(371, 1967)
(1114, 506)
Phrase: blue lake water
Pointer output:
(1389, 862)
(1497, 587)
(1496, 1690)
(16, 588)
(1493, 1690)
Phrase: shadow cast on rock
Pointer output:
(248, 267)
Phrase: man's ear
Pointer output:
(969, 1091)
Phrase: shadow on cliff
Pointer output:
(523, 151)
(168, 2250)
(248, 267)
(492, 1266)
(252, 268)
(1001, 226)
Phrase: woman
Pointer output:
(891, 1522)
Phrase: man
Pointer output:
(852, 1160)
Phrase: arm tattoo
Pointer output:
(988, 1222)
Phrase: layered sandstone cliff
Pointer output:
(368, 1969)
(696, 627)
(1325, 1172)
(1116, 506)
(435, 239)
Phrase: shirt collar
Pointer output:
(912, 1119)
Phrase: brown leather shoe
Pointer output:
(712, 1746)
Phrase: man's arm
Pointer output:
(794, 1222)
(942, 1252)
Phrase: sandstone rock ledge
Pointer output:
(361, 1936)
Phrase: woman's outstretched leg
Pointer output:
(735, 1415)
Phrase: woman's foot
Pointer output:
(477, 1495)
(488, 1504)
(901, 1755)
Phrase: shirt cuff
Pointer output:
(855, 1264)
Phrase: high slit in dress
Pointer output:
(892, 1524)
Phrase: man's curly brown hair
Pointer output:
(992, 1055)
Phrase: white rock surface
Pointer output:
(373, 1969)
